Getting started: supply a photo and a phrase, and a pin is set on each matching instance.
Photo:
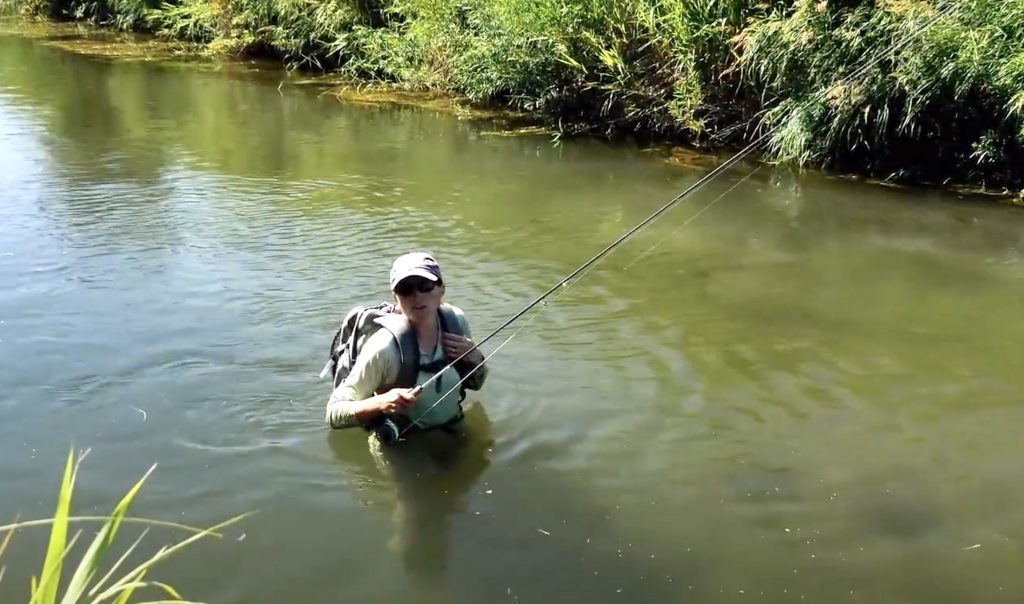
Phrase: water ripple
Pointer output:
(811, 355)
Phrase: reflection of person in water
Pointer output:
(432, 472)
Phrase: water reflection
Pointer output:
(430, 475)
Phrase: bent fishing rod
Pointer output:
(735, 159)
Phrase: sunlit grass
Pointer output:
(949, 104)
(85, 585)
(951, 95)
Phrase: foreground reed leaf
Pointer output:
(82, 588)
(45, 592)
(90, 562)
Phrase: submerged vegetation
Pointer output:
(85, 584)
(944, 101)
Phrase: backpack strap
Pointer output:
(408, 349)
(449, 320)
(409, 352)
(450, 324)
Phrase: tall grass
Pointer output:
(85, 585)
(302, 33)
(709, 72)
(950, 102)
(653, 66)
(121, 14)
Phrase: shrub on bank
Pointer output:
(944, 101)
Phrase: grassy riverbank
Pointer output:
(943, 106)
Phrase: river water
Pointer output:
(809, 393)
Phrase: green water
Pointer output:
(810, 393)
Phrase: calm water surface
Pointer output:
(811, 393)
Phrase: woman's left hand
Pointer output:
(456, 345)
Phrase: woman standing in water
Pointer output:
(444, 453)
(369, 394)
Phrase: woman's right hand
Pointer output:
(398, 400)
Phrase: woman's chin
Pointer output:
(420, 314)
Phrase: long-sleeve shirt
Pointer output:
(377, 365)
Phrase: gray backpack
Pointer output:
(363, 321)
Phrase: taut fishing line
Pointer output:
(585, 267)
(692, 218)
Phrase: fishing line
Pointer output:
(548, 302)
(493, 352)
(691, 218)
(817, 97)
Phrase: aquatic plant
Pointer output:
(117, 586)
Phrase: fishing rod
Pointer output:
(736, 158)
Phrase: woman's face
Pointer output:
(419, 298)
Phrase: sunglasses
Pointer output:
(406, 287)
